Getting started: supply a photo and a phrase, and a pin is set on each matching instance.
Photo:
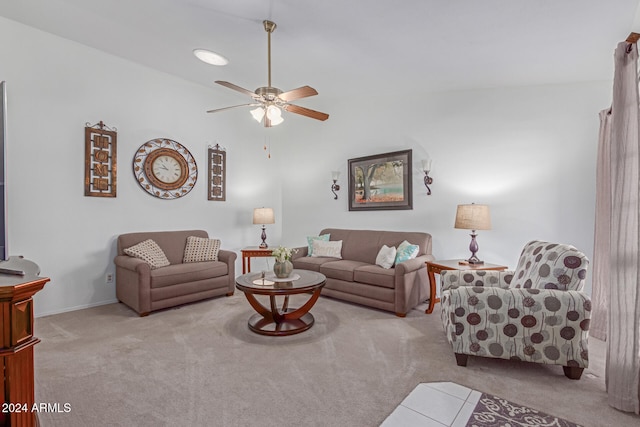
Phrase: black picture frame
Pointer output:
(381, 182)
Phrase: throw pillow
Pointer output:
(332, 249)
(149, 252)
(406, 251)
(310, 239)
(200, 249)
(386, 256)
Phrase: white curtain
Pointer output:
(621, 218)
(600, 280)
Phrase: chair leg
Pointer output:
(229, 294)
(461, 359)
(145, 314)
(401, 314)
(572, 372)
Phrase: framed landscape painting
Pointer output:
(381, 182)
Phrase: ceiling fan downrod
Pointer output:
(269, 27)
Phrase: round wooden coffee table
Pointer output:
(275, 320)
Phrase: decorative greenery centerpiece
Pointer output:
(283, 254)
(283, 266)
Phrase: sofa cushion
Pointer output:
(375, 275)
(199, 249)
(172, 243)
(310, 263)
(386, 256)
(310, 239)
(149, 252)
(363, 245)
(323, 248)
(342, 269)
(406, 251)
(184, 273)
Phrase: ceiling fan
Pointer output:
(270, 100)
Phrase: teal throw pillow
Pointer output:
(310, 239)
(406, 251)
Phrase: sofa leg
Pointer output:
(572, 372)
(401, 314)
(144, 314)
(461, 359)
(229, 294)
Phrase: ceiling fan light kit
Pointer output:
(269, 100)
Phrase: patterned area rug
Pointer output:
(493, 411)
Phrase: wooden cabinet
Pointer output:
(17, 342)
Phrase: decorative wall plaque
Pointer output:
(100, 160)
(217, 173)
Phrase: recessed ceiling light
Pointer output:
(210, 57)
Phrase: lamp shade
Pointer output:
(258, 114)
(263, 216)
(275, 115)
(473, 217)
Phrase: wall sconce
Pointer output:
(426, 167)
(335, 187)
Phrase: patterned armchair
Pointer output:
(537, 313)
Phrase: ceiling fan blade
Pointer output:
(233, 106)
(301, 92)
(236, 88)
(306, 112)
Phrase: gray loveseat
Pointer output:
(145, 289)
(356, 277)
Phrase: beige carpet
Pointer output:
(199, 365)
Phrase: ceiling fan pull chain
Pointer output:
(267, 143)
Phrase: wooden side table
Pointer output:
(436, 267)
(253, 252)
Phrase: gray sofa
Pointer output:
(145, 289)
(356, 277)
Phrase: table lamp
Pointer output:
(263, 216)
(473, 217)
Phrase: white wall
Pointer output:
(527, 152)
(54, 87)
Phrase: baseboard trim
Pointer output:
(74, 308)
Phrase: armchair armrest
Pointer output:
(413, 264)
(411, 283)
(451, 279)
(228, 257)
(131, 263)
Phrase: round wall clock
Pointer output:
(165, 168)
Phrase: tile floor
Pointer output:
(435, 404)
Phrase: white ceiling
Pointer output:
(343, 47)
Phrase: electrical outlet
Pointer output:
(108, 278)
